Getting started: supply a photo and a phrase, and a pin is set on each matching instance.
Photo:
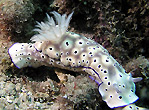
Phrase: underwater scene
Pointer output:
(74, 55)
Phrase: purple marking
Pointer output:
(94, 71)
(97, 75)
(38, 50)
(91, 78)
(11, 57)
(95, 80)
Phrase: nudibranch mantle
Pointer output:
(55, 46)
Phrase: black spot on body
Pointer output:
(99, 66)
(95, 60)
(120, 97)
(69, 59)
(30, 46)
(90, 52)
(108, 83)
(123, 86)
(107, 60)
(28, 58)
(120, 75)
(50, 48)
(67, 43)
(105, 71)
(80, 42)
(57, 54)
(42, 56)
(130, 107)
(75, 52)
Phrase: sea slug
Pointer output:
(55, 46)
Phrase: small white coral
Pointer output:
(51, 30)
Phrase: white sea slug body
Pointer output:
(55, 47)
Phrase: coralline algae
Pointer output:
(54, 46)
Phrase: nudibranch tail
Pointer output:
(51, 30)
(131, 107)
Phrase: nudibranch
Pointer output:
(55, 46)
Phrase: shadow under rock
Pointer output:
(36, 74)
